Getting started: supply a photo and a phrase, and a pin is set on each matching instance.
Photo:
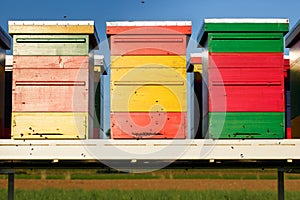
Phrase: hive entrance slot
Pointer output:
(146, 134)
(51, 40)
(244, 38)
(246, 134)
(47, 134)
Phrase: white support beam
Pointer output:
(106, 149)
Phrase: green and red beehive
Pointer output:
(244, 71)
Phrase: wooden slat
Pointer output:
(140, 61)
(143, 98)
(111, 30)
(51, 62)
(67, 46)
(245, 60)
(242, 26)
(51, 90)
(245, 42)
(148, 125)
(246, 89)
(246, 125)
(50, 29)
(55, 27)
(151, 44)
(152, 73)
(50, 125)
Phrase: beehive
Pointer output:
(53, 72)
(244, 72)
(148, 79)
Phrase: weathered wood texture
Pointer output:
(51, 90)
(148, 44)
(51, 62)
(51, 45)
(149, 96)
(50, 125)
(148, 60)
(148, 125)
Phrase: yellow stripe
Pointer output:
(145, 98)
(139, 61)
(198, 68)
(49, 125)
(42, 29)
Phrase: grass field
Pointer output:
(92, 174)
(53, 194)
(179, 177)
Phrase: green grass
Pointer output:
(25, 176)
(197, 176)
(113, 176)
(268, 177)
(101, 174)
(295, 176)
(55, 177)
(53, 194)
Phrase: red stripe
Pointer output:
(244, 60)
(148, 45)
(148, 125)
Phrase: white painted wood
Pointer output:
(205, 149)
(246, 20)
(149, 23)
(61, 23)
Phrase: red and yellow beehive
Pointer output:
(52, 92)
(148, 79)
(4, 45)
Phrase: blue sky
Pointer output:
(112, 10)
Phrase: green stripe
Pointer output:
(51, 45)
(246, 125)
(245, 42)
(207, 28)
(247, 27)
